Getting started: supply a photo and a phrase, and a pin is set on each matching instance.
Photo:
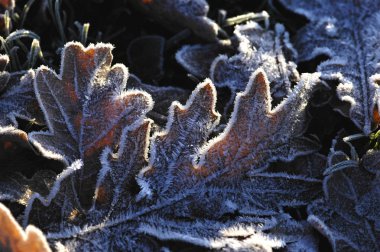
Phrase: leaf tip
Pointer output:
(12, 236)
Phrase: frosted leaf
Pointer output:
(348, 215)
(256, 48)
(13, 238)
(258, 134)
(347, 32)
(17, 98)
(173, 196)
(180, 14)
(173, 150)
(86, 108)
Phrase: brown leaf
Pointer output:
(13, 238)
(258, 134)
(86, 109)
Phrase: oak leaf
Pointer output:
(178, 197)
(86, 108)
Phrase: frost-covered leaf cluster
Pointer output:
(240, 161)
(188, 183)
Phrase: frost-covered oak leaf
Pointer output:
(347, 32)
(218, 184)
(187, 129)
(257, 133)
(241, 150)
(180, 198)
(117, 221)
(180, 14)
(349, 213)
(13, 238)
(255, 47)
(86, 108)
(233, 164)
